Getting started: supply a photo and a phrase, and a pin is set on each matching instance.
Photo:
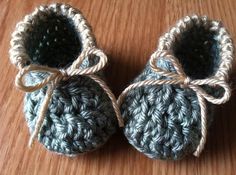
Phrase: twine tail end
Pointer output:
(121, 123)
(197, 153)
(31, 142)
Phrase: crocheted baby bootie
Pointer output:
(167, 109)
(67, 106)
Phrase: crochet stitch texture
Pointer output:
(80, 116)
(164, 121)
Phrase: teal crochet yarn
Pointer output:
(165, 108)
(80, 116)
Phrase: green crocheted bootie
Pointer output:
(67, 106)
(167, 108)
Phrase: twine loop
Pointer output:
(180, 78)
(56, 75)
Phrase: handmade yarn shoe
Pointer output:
(67, 107)
(168, 107)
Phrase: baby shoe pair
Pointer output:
(71, 110)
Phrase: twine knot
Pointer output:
(56, 75)
(180, 78)
(187, 81)
(64, 73)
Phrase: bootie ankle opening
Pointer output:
(203, 47)
(52, 36)
(197, 49)
(53, 41)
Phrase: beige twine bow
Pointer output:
(180, 78)
(56, 75)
